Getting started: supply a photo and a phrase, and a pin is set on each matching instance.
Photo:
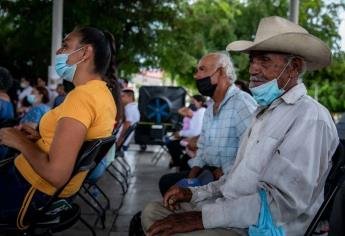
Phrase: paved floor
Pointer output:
(143, 188)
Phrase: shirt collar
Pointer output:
(294, 94)
(232, 90)
(290, 97)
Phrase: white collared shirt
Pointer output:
(287, 151)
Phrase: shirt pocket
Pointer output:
(261, 153)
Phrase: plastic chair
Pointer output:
(334, 181)
(43, 223)
(124, 164)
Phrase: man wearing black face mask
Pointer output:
(227, 117)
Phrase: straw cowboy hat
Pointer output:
(277, 34)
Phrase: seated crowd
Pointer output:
(278, 154)
(270, 140)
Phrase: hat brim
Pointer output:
(315, 52)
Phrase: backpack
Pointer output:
(135, 228)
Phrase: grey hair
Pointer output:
(224, 61)
(304, 65)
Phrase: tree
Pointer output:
(206, 26)
(26, 31)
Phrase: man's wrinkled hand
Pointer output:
(177, 223)
(217, 173)
(175, 195)
(192, 143)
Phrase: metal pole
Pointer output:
(294, 11)
(56, 37)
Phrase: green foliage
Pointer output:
(169, 34)
(25, 30)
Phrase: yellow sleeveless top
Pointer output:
(93, 105)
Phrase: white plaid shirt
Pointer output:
(221, 132)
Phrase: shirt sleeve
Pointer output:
(211, 190)
(131, 114)
(290, 179)
(198, 160)
(78, 105)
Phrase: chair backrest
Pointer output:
(90, 154)
(337, 218)
(118, 127)
(126, 136)
(334, 179)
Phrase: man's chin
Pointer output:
(254, 84)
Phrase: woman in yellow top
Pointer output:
(86, 58)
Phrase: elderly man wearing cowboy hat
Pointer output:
(285, 152)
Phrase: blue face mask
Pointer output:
(64, 70)
(266, 93)
(31, 99)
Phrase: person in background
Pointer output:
(26, 89)
(6, 106)
(61, 95)
(192, 124)
(51, 90)
(131, 116)
(38, 99)
(243, 85)
(226, 119)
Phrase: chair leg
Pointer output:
(124, 165)
(104, 195)
(117, 180)
(124, 176)
(159, 156)
(156, 155)
(88, 226)
(100, 213)
(94, 198)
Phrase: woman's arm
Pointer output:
(56, 168)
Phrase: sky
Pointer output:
(342, 30)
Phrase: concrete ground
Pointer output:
(143, 188)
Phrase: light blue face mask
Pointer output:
(64, 70)
(31, 99)
(266, 93)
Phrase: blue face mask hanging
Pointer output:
(64, 70)
(265, 225)
(266, 93)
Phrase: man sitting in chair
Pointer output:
(132, 115)
(286, 152)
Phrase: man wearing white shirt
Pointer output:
(286, 151)
(132, 115)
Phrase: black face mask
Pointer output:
(205, 86)
(193, 107)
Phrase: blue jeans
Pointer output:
(13, 189)
(97, 173)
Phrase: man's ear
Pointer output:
(297, 66)
(222, 75)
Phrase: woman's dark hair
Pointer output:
(103, 44)
(201, 99)
(243, 85)
(6, 79)
(44, 92)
